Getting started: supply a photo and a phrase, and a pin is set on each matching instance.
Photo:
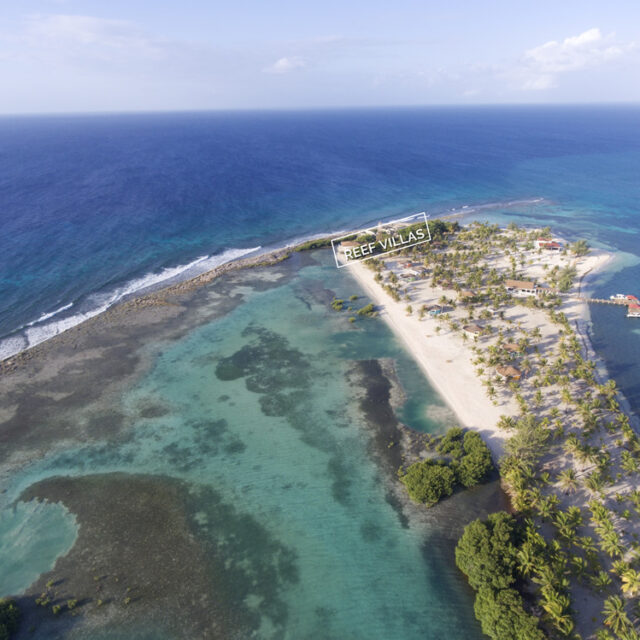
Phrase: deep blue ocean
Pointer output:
(96, 207)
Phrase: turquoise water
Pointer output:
(33, 535)
(254, 411)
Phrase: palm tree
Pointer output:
(631, 582)
(572, 444)
(600, 581)
(579, 565)
(615, 616)
(629, 463)
(567, 522)
(568, 480)
(611, 545)
(556, 606)
(594, 482)
(527, 560)
(610, 388)
(587, 544)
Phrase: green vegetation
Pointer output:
(568, 442)
(429, 481)
(318, 243)
(487, 554)
(579, 248)
(475, 465)
(9, 618)
(367, 310)
(467, 462)
(337, 304)
(566, 277)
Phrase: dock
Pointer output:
(626, 303)
(633, 308)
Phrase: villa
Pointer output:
(473, 330)
(524, 288)
(508, 373)
(434, 309)
(511, 347)
(548, 245)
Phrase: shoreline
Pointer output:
(257, 254)
(156, 298)
(431, 356)
(446, 362)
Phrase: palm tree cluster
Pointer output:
(570, 447)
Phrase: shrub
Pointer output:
(9, 618)
(503, 617)
(451, 442)
(486, 552)
(367, 310)
(475, 465)
(428, 482)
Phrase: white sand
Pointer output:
(446, 358)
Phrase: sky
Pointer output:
(143, 55)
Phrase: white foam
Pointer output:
(46, 316)
(35, 332)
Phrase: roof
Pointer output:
(473, 328)
(634, 307)
(511, 346)
(508, 371)
(520, 284)
(466, 294)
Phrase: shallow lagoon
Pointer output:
(259, 411)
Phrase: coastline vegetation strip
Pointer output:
(464, 460)
(565, 563)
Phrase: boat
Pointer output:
(618, 296)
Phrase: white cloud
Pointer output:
(285, 65)
(88, 36)
(541, 65)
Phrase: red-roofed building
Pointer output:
(633, 311)
(548, 245)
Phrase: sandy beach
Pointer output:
(445, 356)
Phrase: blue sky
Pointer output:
(83, 55)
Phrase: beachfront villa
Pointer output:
(473, 330)
(508, 373)
(465, 294)
(511, 347)
(434, 309)
(548, 245)
(524, 288)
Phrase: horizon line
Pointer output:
(298, 109)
